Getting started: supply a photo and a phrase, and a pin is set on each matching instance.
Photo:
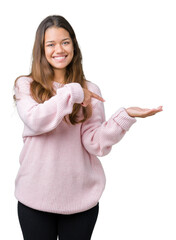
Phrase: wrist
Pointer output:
(128, 112)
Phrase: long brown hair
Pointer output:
(42, 73)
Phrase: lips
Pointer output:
(60, 58)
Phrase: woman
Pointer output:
(60, 179)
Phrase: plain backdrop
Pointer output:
(129, 51)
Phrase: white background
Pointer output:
(129, 51)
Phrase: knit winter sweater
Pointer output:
(59, 169)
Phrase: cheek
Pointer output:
(71, 51)
(48, 52)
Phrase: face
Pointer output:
(58, 47)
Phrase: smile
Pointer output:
(60, 58)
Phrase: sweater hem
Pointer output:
(52, 210)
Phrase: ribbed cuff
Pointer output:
(122, 118)
(77, 92)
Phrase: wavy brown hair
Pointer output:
(42, 72)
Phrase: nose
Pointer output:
(59, 48)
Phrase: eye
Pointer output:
(65, 43)
(50, 45)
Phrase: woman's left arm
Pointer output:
(99, 135)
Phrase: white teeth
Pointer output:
(59, 58)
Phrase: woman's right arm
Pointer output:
(44, 117)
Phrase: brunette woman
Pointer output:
(60, 179)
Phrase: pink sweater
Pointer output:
(59, 169)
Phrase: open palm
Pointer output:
(143, 112)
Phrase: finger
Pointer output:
(160, 108)
(156, 110)
(97, 97)
(152, 112)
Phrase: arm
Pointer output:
(44, 117)
(99, 135)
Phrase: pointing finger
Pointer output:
(97, 97)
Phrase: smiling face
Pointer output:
(59, 49)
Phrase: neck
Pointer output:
(59, 75)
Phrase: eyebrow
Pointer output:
(62, 40)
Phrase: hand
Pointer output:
(143, 112)
(87, 97)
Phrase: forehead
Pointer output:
(55, 33)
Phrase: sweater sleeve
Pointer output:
(98, 135)
(44, 117)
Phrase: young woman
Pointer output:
(60, 179)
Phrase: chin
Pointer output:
(61, 65)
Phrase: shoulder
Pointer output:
(22, 84)
(93, 87)
(23, 80)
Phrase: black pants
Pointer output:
(39, 225)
